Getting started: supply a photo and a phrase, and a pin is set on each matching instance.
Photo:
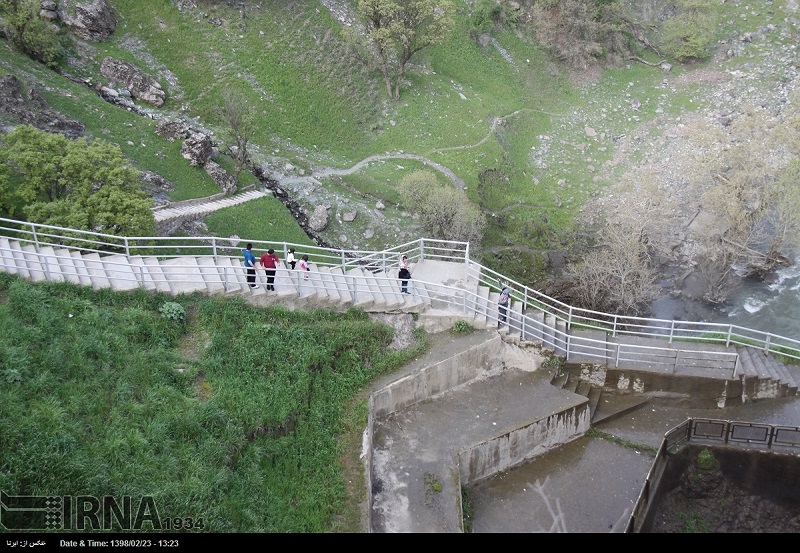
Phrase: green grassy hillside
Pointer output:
(501, 107)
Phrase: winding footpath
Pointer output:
(199, 208)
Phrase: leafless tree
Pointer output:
(239, 114)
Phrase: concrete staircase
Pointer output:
(441, 294)
(192, 209)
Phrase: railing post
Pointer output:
(44, 264)
(569, 319)
(35, 236)
(569, 346)
(616, 358)
(127, 247)
(214, 247)
(614, 329)
(341, 256)
(141, 275)
(767, 343)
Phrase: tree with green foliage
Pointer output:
(445, 212)
(398, 29)
(689, 35)
(30, 33)
(80, 184)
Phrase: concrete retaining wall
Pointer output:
(500, 453)
(438, 378)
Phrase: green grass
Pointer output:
(239, 415)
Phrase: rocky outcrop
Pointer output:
(92, 20)
(220, 176)
(319, 219)
(172, 129)
(132, 79)
(197, 149)
(16, 109)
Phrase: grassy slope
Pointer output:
(233, 418)
(321, 106)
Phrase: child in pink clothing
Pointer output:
(305, 266)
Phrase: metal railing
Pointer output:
(742, 435)
(536, 315)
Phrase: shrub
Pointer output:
(30, 33)
(173, 312)
(462, 327)
(689, 35)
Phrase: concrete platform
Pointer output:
(423, 453)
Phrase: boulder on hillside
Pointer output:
(197, 149)
(133, 80)
(220, 176)
(172, 129)
(90, 20)
(319, 219)
(33, 110)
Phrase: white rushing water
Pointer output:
(771, 308)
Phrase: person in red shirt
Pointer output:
(270, 262)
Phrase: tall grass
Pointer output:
(239, 416)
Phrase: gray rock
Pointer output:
(134, 80)
(49, 5)
(172, 129)
(220, 176)
(349, 216)
(33, 110)
(197, 149)
(319, 219)
(91, 20)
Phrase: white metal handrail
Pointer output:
(532, 300)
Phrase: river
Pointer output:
(773, 308)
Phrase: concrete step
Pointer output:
(359, 289)
(613, 406)
(391, 287)
(84, 276)
(534, 326)
(142, 273)
(234, 275)
(96, 271)
(375, 288)
(329, 285)
(211, 275)
(183, 275)
(160, 279)
(120, 273)
(7, 259)
(36, 268)
(49, 258)
(68, 268)
(746, 364)
(339, 280)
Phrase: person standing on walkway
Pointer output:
(290, 260)
(270, 263)
(404, 274)
(250, 265)
(305, 266)
(502, 304)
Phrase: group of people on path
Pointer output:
(270, 262)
